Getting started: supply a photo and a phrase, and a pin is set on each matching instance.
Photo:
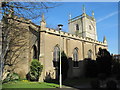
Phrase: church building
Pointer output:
(44, 44)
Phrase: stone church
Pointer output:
(44, 43)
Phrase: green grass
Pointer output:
(28, 84)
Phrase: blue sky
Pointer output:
(106, 14)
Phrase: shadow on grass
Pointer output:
(75, 83)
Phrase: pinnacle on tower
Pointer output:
(83, 8)
(43, 19)
(92, 13)
(104, 40)
(70, 16)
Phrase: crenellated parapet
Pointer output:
(75, 18)
(72, 36)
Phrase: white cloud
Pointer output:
(108, 16)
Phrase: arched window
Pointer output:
(34, 52)
(90, 27)
(56, 53)
(77, 27)
(90, 54)
(75, 57)
(56, 56)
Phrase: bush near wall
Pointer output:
(90, 67)
(116, 70)
(35, 70)
(111, 84)
(64, 65)
(102, 66)
(95, 84)
(11, 77)
(104, 62)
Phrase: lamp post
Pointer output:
(60, 77)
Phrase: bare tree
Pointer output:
(27, 10)
(12, 34)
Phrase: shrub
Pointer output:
(64, 65)
(11, 77)
(104, 62)
(116, 68)
(102, 76)
(118, 77)
(95, 84)
(111, 84)
(90, 68)
(35, 70)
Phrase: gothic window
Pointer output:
(75, 57)
(90, 54)
(34, 52)
(77, 27)
(56, 53)
(56, 56)
(90, 27)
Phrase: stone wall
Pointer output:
(50, 38)
(23, 40)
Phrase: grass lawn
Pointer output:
(28, 84)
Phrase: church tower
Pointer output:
(83, 25)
